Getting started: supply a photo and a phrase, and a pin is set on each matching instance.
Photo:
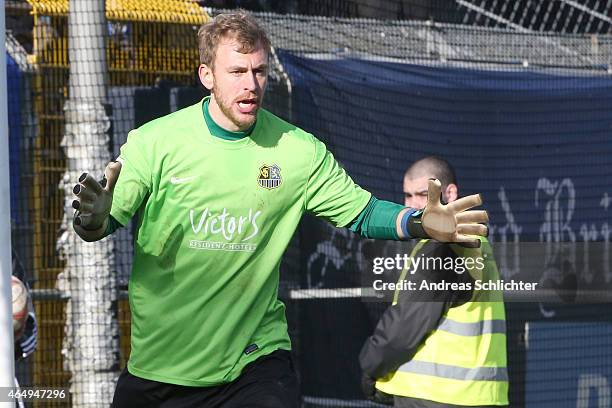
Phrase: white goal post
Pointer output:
(7, 363)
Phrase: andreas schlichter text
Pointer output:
(486, 285)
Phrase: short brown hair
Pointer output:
(240, 25)
(433, 166)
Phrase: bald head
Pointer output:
(418, 175)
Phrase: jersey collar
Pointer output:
(220, 132)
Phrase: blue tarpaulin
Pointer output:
(541, 141)
(569, 365)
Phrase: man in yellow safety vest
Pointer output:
(442, 343)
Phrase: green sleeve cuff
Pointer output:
(378, 220)
(112, 226)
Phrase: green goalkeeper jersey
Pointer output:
(214, 218)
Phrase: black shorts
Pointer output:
(268, 382)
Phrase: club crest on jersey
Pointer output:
(269, 176)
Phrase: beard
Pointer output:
(242, 121)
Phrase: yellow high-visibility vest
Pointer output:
(462, 362)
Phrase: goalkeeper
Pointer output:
(218, 189)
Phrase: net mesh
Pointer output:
(565, 16)
(151, 59)
(428, 42)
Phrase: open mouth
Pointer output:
(247, 106)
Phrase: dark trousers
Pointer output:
(405, 402)
(268, 382)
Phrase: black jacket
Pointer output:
(405, 325)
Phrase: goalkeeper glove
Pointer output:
(93, 203)
(447, 223)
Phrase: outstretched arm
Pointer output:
(445, 223)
